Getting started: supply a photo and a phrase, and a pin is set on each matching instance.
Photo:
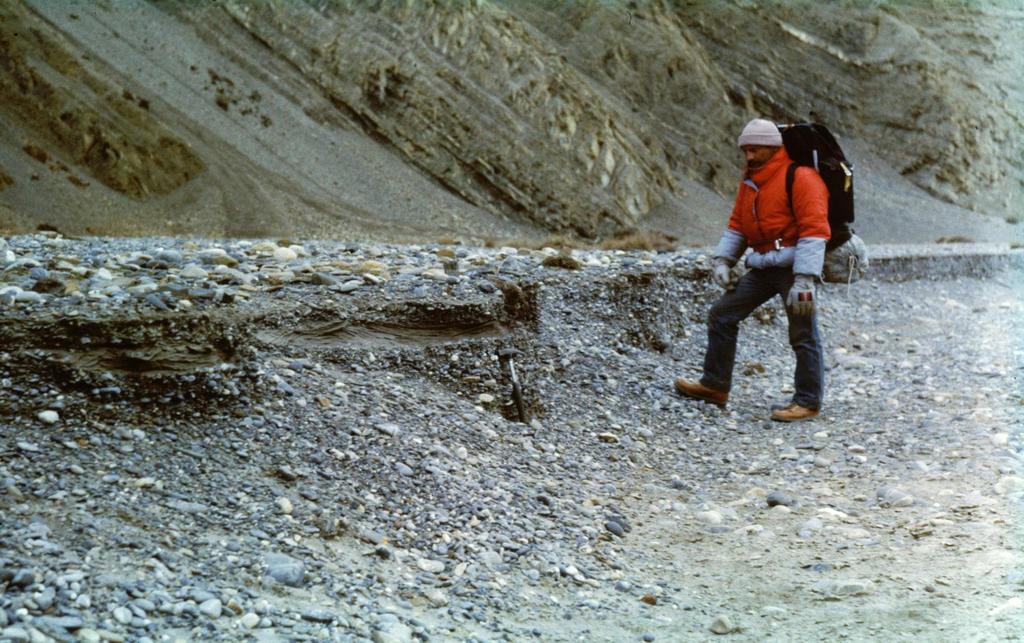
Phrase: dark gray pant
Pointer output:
(755, 288)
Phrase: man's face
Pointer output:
(758, 155)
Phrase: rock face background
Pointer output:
(417, 120)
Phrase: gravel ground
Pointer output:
(267, 441)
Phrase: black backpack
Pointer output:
(811, 144)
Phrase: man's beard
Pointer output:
(754, 165)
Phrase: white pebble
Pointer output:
(211, 608)
(48, 417)
(431, 566)
(285, 255)
(28, 297)
(193, 271)
(722, 625)
(711, 517)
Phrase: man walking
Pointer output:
(788, 244)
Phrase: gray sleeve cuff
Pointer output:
(810, 256)
(732, 246)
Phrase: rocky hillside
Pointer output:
(481, 119)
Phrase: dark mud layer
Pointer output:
(400, 325)
(380, 335)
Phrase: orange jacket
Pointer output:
(761, 212)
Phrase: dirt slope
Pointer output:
(415, 120)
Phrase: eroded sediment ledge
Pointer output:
(178, 321)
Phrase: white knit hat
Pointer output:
(760, 132)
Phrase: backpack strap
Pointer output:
(790, 177)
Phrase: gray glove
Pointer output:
(801, 296)
(723, 275)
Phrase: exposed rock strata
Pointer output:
(475, 97)
(95, 125)
(405, 120)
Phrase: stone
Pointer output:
(193, 271)
(490, 558)
(217, 256)
(286, 473)
(436, 597)
(780, 498)
(211, 608)
(323, 279)
(722, 625)
(58, 623)
(615, 528)
(285, 570)
(169, 256)
(350, 286)
(122, 615)
(431, 566)
(14, 633)
(284, 255)
(838, 589)
(48, 417)
(317, 616)
(393, 633)
(28, 297)
(249, 621)
(263, 247)
(891, 496)
(711, 517)
(809, 527)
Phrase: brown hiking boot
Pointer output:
(794, 413)
(698, 391)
